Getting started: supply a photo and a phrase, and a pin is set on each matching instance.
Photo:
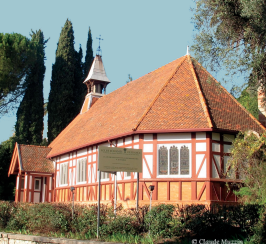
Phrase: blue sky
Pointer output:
(139, 36)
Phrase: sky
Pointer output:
(139, 36)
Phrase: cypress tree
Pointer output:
(89, 57)
(80, 88)
(61, 102)
(29, 125)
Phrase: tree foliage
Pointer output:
(248, 162)
(7, 184)
(249, 99)
(29, 125)
(232, 34)
(63, 103)
(17, 53)
(89, 57)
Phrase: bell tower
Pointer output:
(96, 81)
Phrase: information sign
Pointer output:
(115, 159)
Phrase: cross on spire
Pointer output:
(99, 51)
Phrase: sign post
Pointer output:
(113, 160)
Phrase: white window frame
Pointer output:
(178, 145)
(81, 170)
(63, 172)
(127, 176)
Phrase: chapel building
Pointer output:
(179, 115)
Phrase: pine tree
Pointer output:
(62, 102)
(29, 125)
(89, 57)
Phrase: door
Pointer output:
(37, 190)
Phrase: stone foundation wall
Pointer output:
(9, 238)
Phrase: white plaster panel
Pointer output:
(145, 170)
(82, 152)
(201, 136)
(136, 146)
(106, 144)
(174, 136)
(64, 157)
(50, 183)
(128, 140)
(18, 179)
(89, 174)
(148, 148)
(70, 179)
(74, 162)
(203, 171)
(228, 138)
(90, 150)
(216, 147)
(199, 159)
(135, 175)
(94, 148)
(216, 136)
(90, 158)
(57, 179)
(119, 176)
(201, 147)
(30, 187)
(149, 159)
(70, 163)
(74, 176)
(57, 166)
(94, 157)
(148, 137)
(129, 147)
(227, 148)
(94, 173)
(26, 182)
(120, 142)
(136, 138)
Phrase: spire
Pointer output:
(96, 82)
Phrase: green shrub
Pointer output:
(159, 221)
(5, 213)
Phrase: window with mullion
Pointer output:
(174, 160)
(81, 170)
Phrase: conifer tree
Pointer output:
(89, 57)
(29, 125)
(62, 102)
(80, 88)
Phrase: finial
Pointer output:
(187, 50)
(99, 51)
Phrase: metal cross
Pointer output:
(100, 39)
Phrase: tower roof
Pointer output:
(97, 71)
(180, 96)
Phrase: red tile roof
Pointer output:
(33, 158)
(179, 95)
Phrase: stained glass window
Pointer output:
(184, 160)
(174, 155)
(163, 160)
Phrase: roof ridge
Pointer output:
(231, 96)
(157, 96)
(34, 146)
(200, 93)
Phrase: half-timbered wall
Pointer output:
(34, 187)
(194, 173)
